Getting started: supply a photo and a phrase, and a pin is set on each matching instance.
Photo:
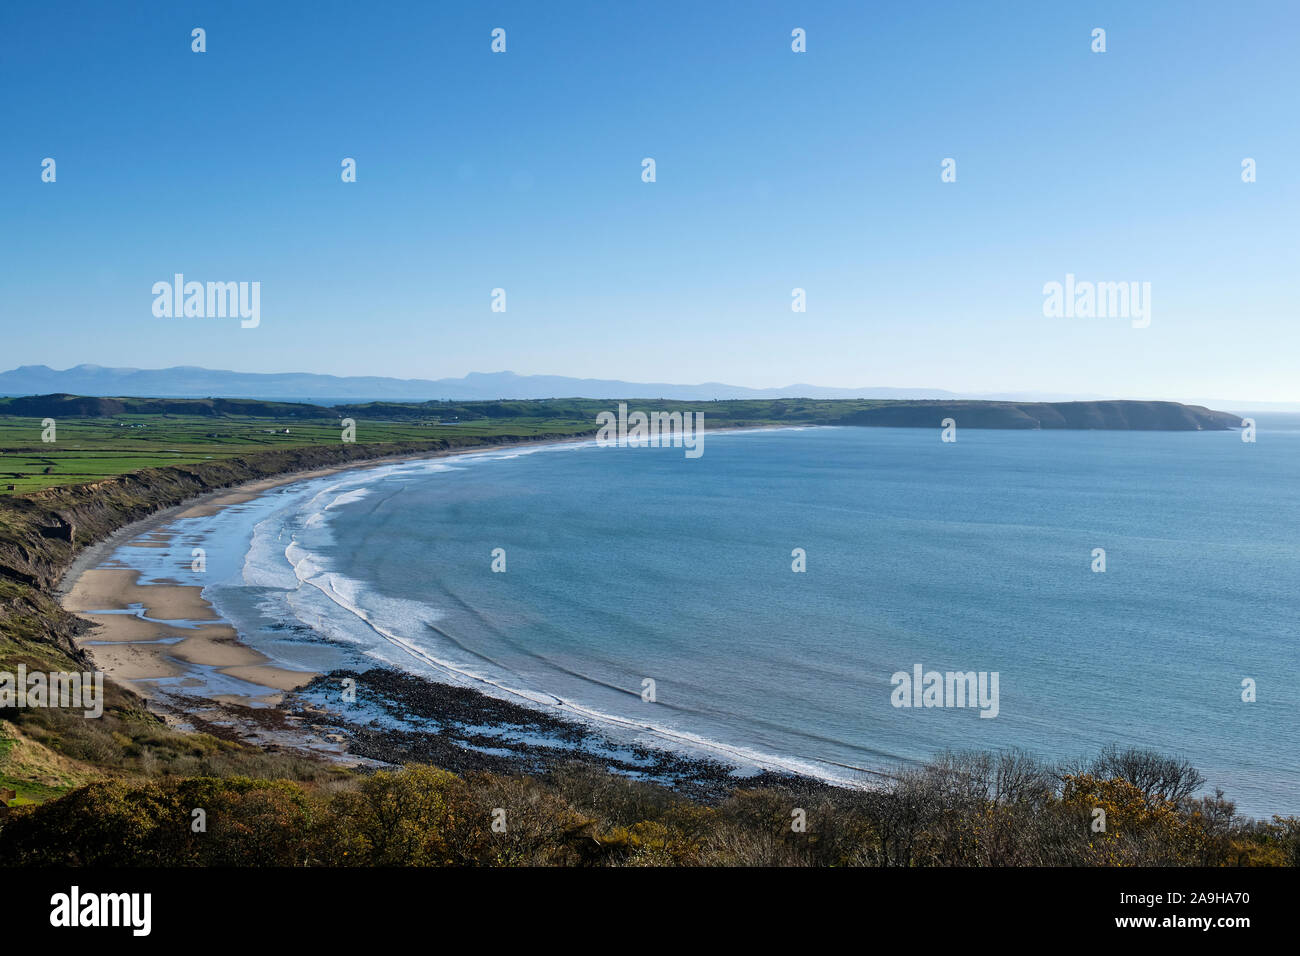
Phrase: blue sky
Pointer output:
(775, 170)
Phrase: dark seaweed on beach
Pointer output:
(450, 735)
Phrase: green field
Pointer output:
(98, 438)
(90, 449)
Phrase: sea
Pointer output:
(762, 602)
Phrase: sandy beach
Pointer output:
(164, 641)
(165, 633)
(146, 645)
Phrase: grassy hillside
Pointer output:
(959, 810)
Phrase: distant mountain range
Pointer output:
(189, 381)
(193, 382)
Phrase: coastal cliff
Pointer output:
(910, 413)
(1111, 415)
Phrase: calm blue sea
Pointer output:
(628, 564)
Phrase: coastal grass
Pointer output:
(954, 811)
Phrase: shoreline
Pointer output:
(210, 502)
(214, 500)
(163, 638)
(146, 633)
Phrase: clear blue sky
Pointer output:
(775, 170)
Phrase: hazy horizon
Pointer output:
(939, 392)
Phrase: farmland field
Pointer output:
(90, 449)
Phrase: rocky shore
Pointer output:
(398, 718)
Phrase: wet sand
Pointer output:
(165, 631)
(168, 629)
